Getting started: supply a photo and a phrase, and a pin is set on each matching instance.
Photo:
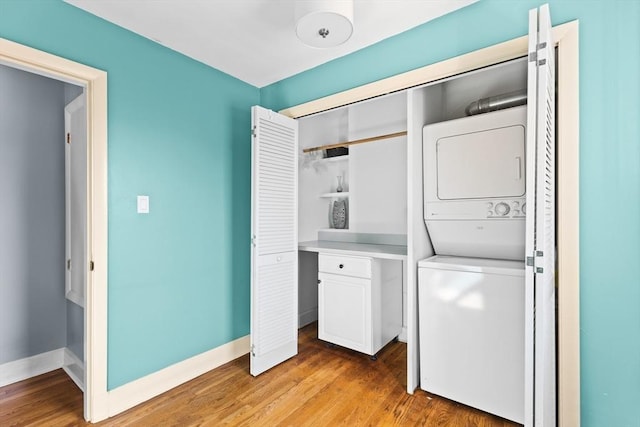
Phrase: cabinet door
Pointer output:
(274, 254)
(344, 311)
(540, 352)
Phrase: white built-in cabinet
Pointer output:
(383, 183)
(360, 301)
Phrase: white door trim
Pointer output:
(95, 83)
(567, 192)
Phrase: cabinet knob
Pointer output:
(319, 281)
(341, 266)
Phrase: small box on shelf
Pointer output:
(336, 152)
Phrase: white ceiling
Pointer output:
(254, 40)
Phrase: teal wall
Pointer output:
(609, 162)
(178, 132)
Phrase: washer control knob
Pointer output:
(524, 208)
(502, 209)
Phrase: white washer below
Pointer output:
(471, 318)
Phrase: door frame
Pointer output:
(94, 82)
(567, 169)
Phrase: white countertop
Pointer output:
(355, 249)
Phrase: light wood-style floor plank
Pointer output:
(322, 386)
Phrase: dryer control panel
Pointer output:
(507, 209)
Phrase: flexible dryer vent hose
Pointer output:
(498, 102)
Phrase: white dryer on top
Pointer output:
(474, 185)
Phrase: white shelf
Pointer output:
(341, 194)
(335, 230)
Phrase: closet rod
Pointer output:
(357, 141)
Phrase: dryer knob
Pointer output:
(502, 209)
(524, 208)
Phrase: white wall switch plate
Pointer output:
(143, 204)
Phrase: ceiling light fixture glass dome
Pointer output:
(324, 23)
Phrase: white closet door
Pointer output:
(540, 351)
(274, 232)
(75, 164)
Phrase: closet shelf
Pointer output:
(357, 141)
(341, 194)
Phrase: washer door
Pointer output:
(472, 339)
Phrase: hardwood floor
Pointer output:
(319, 387)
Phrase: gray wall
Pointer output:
(71, 92)
(32, 303)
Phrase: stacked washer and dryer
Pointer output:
(471, 293)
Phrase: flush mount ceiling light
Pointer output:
(324, 23)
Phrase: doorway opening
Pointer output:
(93, 84)
(43, 327)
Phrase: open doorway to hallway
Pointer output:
(42, 220)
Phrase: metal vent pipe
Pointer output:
(498, 102)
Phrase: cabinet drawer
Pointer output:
(345, 265)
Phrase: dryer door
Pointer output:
(483, 164)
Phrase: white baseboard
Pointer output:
(22, 369)
(145, 388)
(403, 335)
(74, 367)
(307, 317)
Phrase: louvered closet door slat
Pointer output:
(277, 311)
(277, 183)
(274, 256)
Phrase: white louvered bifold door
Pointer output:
(274, 232)
(540, 348)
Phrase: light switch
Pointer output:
(143, 204)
